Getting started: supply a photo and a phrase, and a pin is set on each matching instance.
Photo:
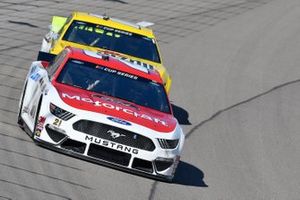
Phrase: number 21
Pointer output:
(57, 122)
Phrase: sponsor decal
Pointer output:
(112, 145)
(123, 103)
(100, 54)
(114, 134)
(119, 121)
(132, 61)
(32, 111)
(33, 69)
(42, 84)
(40, 126)
(35, 76)
(25, 109)
(119, 73)
(116, 108)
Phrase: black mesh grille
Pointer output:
(110, 155)
(114, 134)
(163, 164)
(54, 135)
(143, 165)
(73, 145)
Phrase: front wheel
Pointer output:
(20, 121)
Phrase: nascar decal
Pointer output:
(33, 69)
(117, 108)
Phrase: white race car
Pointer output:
(104, 109)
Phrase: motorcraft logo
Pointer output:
(114, 134)
(117, 108)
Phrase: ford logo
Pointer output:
(119, 121)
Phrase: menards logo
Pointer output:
(117, 108)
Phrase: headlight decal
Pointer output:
(168, 144)
(60, 113)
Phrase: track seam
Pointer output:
(44, 175)
(34, 189)
(219, 112)
(238, 104)
(3, 197)
(41, 159)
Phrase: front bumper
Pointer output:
(158, 164)
(104, 163)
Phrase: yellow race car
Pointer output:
(135, 43)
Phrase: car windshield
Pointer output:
(112, 39)
(111, 82)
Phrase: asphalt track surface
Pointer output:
(236, 92)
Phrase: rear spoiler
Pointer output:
(43, 56)
(144, 24)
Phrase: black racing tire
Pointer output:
(36, 117)
(19, 120)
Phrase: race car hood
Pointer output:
(120, 109)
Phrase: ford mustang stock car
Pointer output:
(135, 42)
(103, 109)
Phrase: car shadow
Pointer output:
(181, 115)
(187, 174)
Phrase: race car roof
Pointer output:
(112, 22)
(114, 63)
